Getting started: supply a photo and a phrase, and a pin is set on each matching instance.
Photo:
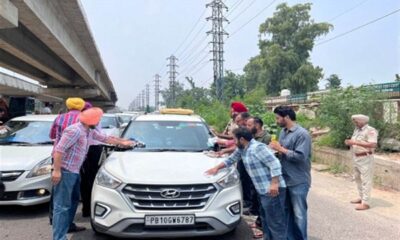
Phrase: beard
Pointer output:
(240, 146)
(253, 131)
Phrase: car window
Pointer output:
(32, 132)
(173, 135)
(108, 122)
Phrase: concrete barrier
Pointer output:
(386, 172)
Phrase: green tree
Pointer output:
(234, 86)
(254, 73)
(285, 53)
(172, 93)
(191, 98)
(333, 82)
(339, 105)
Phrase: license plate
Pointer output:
(169, 220)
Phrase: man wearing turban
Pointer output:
(74, 106)
(362, 145)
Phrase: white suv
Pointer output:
(160, 190)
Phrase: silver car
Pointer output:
(25, 160)
(160, 190)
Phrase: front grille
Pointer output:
(150, 197)
(140, 228)
(10, 176)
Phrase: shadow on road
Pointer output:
(20, 212)
(243, 232)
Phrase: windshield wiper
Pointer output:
(174, 150)
(45, 143)
(16, 143)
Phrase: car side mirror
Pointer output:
(124, 125)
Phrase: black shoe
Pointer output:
(85, 214)
(74, 228)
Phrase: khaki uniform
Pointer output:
(264, 137)
(363, 165)
(230, 127)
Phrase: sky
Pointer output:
(135, 37)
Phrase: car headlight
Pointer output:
(42, 168)
(231, 179)
(105, 179)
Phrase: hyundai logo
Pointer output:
(170, 193)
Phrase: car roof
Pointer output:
(169, 117)
(109, 115)
(45, 118)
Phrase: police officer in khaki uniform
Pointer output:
(363, 144)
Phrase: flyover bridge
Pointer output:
(50, 41)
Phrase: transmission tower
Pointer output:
(217, 18)
(147, 95)
(143, 100)
(157, 82)
(172, 76)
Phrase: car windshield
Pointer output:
(108, 122)
(125, 118)
(170, 135)
(25, 132)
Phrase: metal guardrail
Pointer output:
(390, 89)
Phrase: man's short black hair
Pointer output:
(258, 121)
(245, 115)
(284, 111)
(243, 132)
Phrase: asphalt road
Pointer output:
(330, 217)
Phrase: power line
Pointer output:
(254, 17)
(234, 7)
(347, 11)
(357, 28)
(197, 63)
(195, 36)
(193, 50)
(243, 11)
(191, 31)
(195, 57)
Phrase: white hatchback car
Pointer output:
(160, 190)
(25, 160)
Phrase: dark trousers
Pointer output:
(273, 216)
(250, 196)
(89, 170)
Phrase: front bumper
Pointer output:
(27, 191)
(122, 220)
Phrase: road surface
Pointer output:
(331, 217)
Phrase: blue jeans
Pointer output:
(296, 207)
(273, 216)
(65, 202)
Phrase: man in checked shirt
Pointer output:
(266, 173)
(69, 155)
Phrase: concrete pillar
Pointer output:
(8, 15)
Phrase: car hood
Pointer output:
(162, 168)
(22, 157)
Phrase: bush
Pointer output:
(215, 114)
(338, 106)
